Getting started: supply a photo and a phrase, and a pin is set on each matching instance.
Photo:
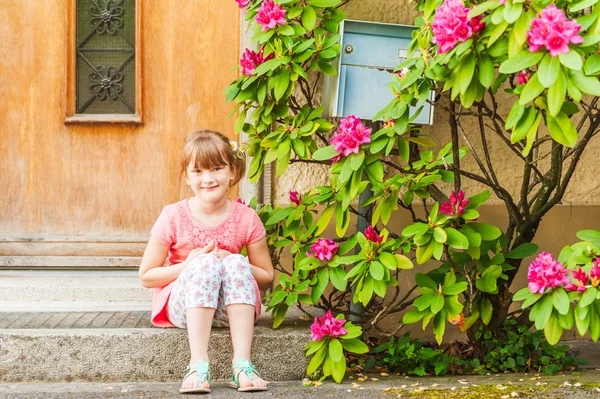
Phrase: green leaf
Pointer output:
(552, 330)
(439, 326)
(588, 235)
(319, 287)
(317, 359)
(580, 5)
(424, 280)
(335, 350)
(522, 251)
(556, 94)
(561, 301)
(483, 7)
(338, 369)
(437, 304)
(486, 70)
(325, 153)
(587, 84)
(592, 65)
(323, 4)
(403, 262)
(520, 61)
(456, 239)
(355, 346)
(337, 276)
(466, 68)
(522, 294)
(454, 289)
(541, 311)
(588, 297)
(512, 11)
(309, 18)
(440, 235)
(283, 156)
(548, 70)
(487, 231)
(486, 310)
(562, 130)
(415, 229)
(282, 82)
(532, 89)
(582, 321)
(571, 60)
(376, 270)
(414, 315)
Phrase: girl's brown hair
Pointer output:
(208, 149)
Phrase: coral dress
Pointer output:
(177, 229)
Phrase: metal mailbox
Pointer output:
(370, 50)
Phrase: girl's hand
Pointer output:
(199, 251)
(221, 253)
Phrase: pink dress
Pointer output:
(177, 229)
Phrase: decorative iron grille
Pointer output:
(105, 57)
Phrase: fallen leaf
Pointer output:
(435, 385)
(567, 384)
(374, 379)
(501, 387)
(514, 394)
(463, 381)
(384, 374)
(577, 384)
(354, 385)
(360, 379)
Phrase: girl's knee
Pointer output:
(203, 265)
(235, 259)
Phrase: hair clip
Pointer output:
(235, 146)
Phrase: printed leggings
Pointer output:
(209, 283)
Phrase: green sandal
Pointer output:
(244, 366)
(203, 370)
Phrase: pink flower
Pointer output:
(552, 30)
(372, 235)
(595, 273)
(350, 136)
(581, 281)
(389, 124)
(323, 249)
(502, 2)
(251, 59)
(242, 202)
(327, 325)
(295, 197)
(545, 272)
(452, 25)
(456, 206)
(242, 3)
(270, 15)
(402, 72)
(523, 77)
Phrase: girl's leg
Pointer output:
(238, 290)
(192, 305)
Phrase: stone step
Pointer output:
(140, 354)
(65, 286)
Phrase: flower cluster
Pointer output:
(456, 206)
(243, 3)
(270, 15)
(402, 72)
(553, 31)
(327, 325)
(595, 273)
(372, 235)
(452, 25)
(295, 197)
(323, 249)
(545, 272)
(251, 59)
(350, 136)
(581, 280)
(523, 77)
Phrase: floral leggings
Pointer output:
(209, 283)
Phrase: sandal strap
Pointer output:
(245, 366)
(201, 368)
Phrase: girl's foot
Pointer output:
(246, 378)
(197, 378)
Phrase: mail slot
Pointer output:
(370, 52)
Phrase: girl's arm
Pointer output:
(260, 260)
(152, 274)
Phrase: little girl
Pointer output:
(208, 283)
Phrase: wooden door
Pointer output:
(86, 195)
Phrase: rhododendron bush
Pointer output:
(523, 74)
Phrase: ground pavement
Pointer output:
(574, 385)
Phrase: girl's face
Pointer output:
(210, 185)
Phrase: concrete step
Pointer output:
(142, 354)
(66, 286)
